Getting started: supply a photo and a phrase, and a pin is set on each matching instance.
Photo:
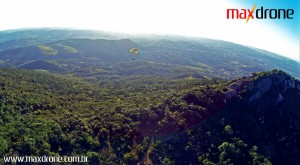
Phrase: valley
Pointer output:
(181, 101)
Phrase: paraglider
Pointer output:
(133, 51)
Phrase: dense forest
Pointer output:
(151, 120)
(180, 101)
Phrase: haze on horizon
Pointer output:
(193, 18)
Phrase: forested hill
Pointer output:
(106, 50)
(95, 54)
(257, 124)
(250, 120)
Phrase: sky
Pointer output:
(196, 18)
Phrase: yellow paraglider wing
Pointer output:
(134, 50)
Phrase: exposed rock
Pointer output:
(235, 86)
(256, 96)
(231, 93)
(264, 85)
(261, 87)
(289, 83)
(280, 98)
(279, 79)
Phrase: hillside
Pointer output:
(181, 101)
(260, 125)
(97, 54)
(11, 39)
(41, 65)
(106, 50)
(219, 58)
(151, 119)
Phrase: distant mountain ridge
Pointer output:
(105, 49)
(181, 101)
(205, 57)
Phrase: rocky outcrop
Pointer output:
(263, 85)
(258, 84)
(280, 98)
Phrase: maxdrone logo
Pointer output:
(260, 13)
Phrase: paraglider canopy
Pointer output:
(134, 51)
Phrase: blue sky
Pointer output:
(290, 27)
